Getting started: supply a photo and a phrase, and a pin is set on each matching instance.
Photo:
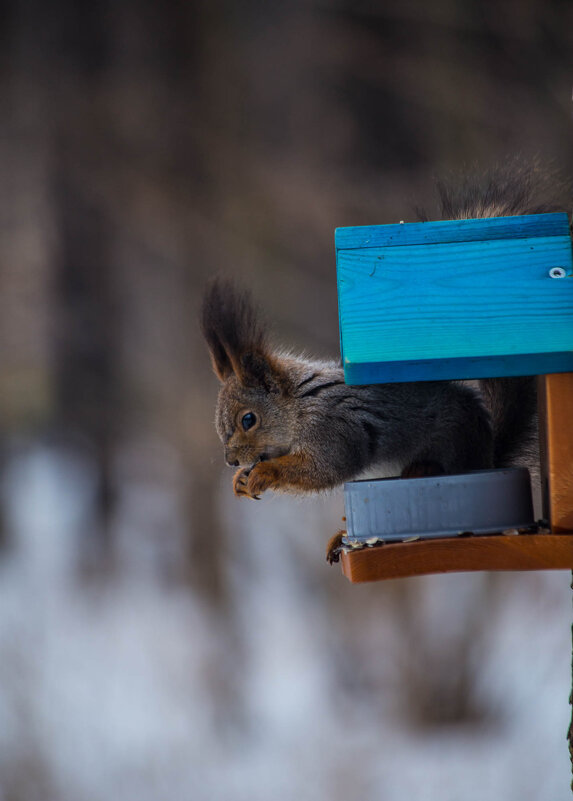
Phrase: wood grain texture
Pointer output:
(556, 440)
(475, 298)
(496, 552)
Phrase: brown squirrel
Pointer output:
(292, 424)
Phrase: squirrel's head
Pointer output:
(254, 417)
(253, 422)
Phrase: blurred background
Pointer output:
(160, 638)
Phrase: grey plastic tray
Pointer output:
(480, 502)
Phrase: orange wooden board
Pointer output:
(494, 552)
(556, 440)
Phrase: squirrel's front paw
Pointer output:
(241, 483)
(252, 481)
(263, 476)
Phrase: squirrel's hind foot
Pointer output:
(423, 468)
(334, 547)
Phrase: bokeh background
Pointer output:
(160, 638)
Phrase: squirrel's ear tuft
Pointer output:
(213, 327)
(236, 338)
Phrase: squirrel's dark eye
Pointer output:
(248, 420)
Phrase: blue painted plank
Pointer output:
(442, 231)
(458, 308)
(477, 299)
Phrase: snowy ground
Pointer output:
(132, 689)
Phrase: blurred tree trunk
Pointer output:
(26, 246)
(87, 374)
(87, 341)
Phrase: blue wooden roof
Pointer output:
(455, 299)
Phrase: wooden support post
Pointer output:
(556, 444)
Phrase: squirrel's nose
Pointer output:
(231, 462)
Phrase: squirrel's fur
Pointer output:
(292, 424)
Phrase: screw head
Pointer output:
(557, 272)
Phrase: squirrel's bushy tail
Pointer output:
(515, 187)
(512, 404)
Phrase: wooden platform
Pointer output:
(543, 551)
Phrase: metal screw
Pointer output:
(557, 272)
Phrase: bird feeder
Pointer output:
(461, 299)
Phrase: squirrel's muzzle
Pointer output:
(231, 457)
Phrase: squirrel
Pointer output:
(292, 424)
